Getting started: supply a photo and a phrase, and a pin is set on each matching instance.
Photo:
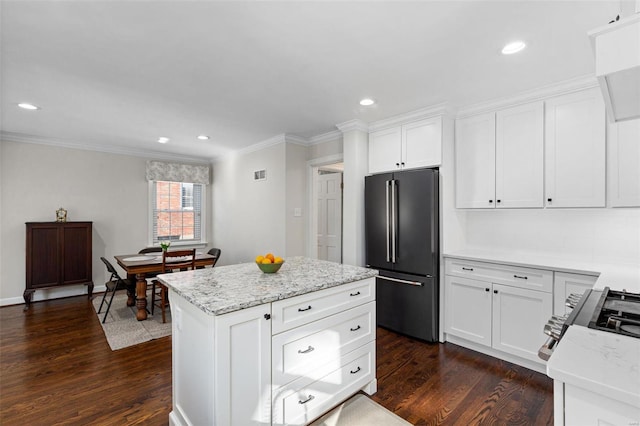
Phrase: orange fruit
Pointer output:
(270, 256)
(278, 259)
(259, 258)
(266, 260)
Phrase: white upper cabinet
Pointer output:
(575, 150)
(475, 161)
(499, 158)
(412, 145)
(520, 156)
(624, 156)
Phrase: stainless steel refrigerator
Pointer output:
(402, 242)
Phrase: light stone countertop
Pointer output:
(601, 362)
(598, 361)
(225, 289)
(617, 276)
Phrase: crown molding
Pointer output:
(70, 144)
(419, 114)
(326, 137)
(538, 94)
(350, 125)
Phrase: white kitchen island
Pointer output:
(259, 349)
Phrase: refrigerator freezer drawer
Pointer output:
(408, 305)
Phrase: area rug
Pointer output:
(122, 329)
(360, 411)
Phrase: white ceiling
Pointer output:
(116, 75)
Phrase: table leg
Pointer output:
(131, 291)
(141, 297)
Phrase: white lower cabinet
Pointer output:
(498, 306)
(565, 284)
(586, 408)
(234, 369)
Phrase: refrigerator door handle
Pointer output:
(398, 280)
(393, 221)
(386, 191)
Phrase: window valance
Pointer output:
(174, 172)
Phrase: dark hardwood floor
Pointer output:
(57, 368)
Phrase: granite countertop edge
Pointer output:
(225, 289)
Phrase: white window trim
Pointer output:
(203, 221)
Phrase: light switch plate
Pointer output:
(297, 212)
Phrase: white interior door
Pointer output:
(330, 217)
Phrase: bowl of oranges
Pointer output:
(269, 263)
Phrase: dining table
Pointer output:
(141, 266)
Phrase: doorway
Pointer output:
(325, 228)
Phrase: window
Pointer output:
(176, 210)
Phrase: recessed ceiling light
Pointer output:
(367, 102)
(25, 105)
(203, 137)
(513, 47)
(163, 139)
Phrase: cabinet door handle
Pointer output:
(397, 164)
(486, 289)
(490, 201)
(309, 398)
(549, 200)
(467, 269)
(498, 201)
(355, 329)
(402, 164)
(306, 351)
(355, 371)
(304, 309)
(267, 316)
(495, 291)
(354, 294)
(522, 278)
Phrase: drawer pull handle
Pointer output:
(354, 294)
(306, 351)
(309, 398)
(355, 329)
(522, 278)
(355, 371)
(304, 309)
(467, 269)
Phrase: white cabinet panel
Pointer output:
(520, 156)
(475, 161)
(575, 150)
(624, 155)
(384, 150)
(585, 408)
(411, 145)
(243, 367)
(565, 284)
(518, 315)
(468, 309)
(422, 143)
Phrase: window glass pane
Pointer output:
(177, 211)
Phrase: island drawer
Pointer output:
(321, 344)
(514, 276)
(309, 397)
(300, 310)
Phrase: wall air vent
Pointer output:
(260, 175)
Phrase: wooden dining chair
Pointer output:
(181, 260)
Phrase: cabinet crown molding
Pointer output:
(419, 114)
(353, 125)
(538, 94)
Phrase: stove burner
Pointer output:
(631, 329)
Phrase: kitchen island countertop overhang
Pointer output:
(225, 289)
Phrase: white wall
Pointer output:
(590, 235)
(296, 176)
(249, 216)
(108, 189)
